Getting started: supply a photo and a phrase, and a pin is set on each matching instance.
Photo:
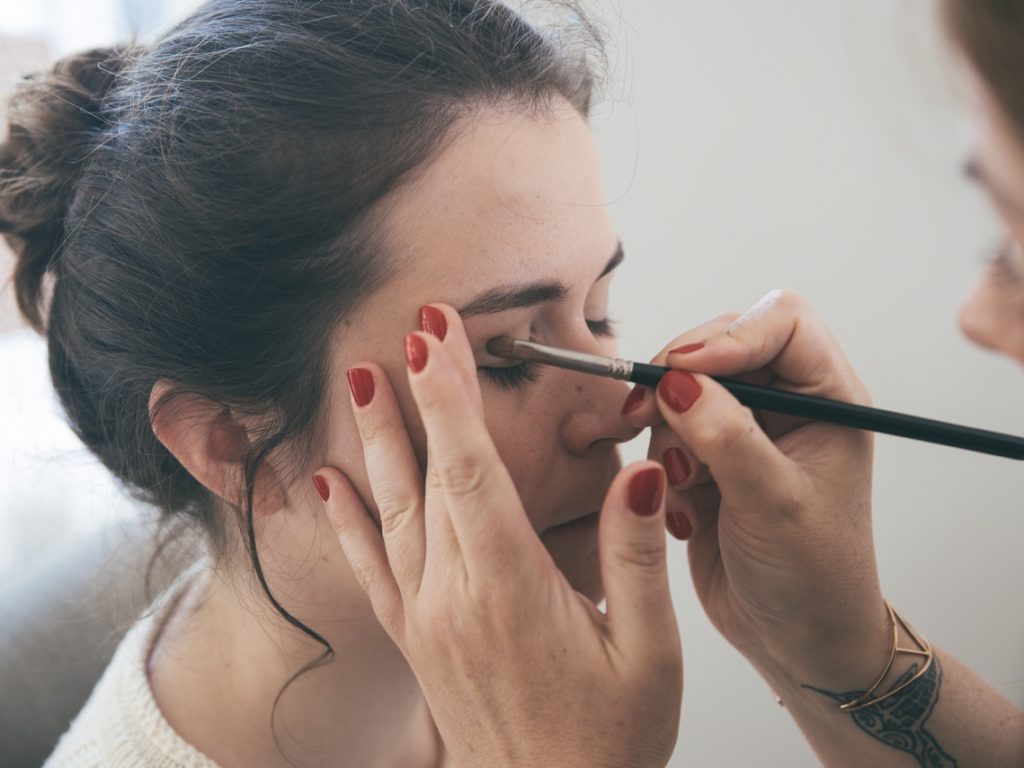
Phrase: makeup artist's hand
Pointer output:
(518, 668)
(779, 509)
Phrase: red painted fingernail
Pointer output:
(645, 491)
(415, 352)
(687, 348)
(678, 525)
(432, 321)
(321, 487)
(360, 382)
(677, 466)
(680, 390)
(634, 399)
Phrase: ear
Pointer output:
(211, 445)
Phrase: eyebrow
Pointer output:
(519, 296)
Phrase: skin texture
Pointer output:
(781, 552)
(514, 197)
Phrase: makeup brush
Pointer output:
(778, 401)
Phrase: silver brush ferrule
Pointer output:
(611, 367)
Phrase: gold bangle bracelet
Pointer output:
(923, 649)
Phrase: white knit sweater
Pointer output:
(121, 724)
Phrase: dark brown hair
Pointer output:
(991, 35)
(203, 210)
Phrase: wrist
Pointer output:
(841, 659)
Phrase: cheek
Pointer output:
(526, 438)
(992, 315)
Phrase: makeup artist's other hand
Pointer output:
(781, 550)
(518, 668)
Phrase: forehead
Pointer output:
(515, 194)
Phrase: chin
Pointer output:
(573, 547)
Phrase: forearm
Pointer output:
(949, 718)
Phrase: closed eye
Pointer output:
(512, 376)
(519, 375)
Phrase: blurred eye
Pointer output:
(604, 327)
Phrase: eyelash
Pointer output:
(518, 376)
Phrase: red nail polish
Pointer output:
(432, 321)
(680, 390)
(645, 491)
(678, 525)
(321, 487)
(634, 399)
(677, 466)
(360, 382)
(415, 352)
(687, 348)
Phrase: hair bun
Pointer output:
(54, 119)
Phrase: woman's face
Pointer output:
(508, 224)
(993, 313)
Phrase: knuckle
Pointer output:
(789, 500)
(738, 330)
(394, 512)
(779, 301)
(645, 556)
(364, 573)
(785, 299)
(343, 526)
(373, 431)
(463, 475)
(723, 436)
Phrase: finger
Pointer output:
(479, 495)
(363, 546)
(640, 409)
(396, 481)
(691, 511)
(682, 468)
(781, 333)
(683, 471)
(444, 322)
(748, 467)
(633, 567)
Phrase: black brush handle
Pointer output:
(856, 416)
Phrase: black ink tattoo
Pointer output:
(899, 720)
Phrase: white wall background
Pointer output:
(810, 144)
(817, 145)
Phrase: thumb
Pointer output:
(634, 571)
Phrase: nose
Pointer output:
(595, 416)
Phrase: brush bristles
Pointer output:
(502, 346)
